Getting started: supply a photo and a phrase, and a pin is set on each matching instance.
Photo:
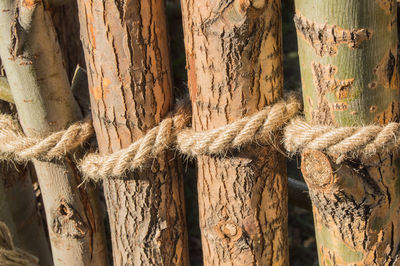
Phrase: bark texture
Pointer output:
(126, 51)
(32, 60)
(234, 62)
(349, 71)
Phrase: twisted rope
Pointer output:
(16, 146)
(342, 142)
(158, 139)
(255, 128)
(11, 256)
(171, 133)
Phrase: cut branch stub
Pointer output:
(317, 170)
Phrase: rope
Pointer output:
(11, 256)
(255, 128)
(16, 146)
(171, 133)
(342, 142)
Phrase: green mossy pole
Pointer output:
(349, 72)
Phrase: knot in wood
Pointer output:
(229, 231)
(67, 222)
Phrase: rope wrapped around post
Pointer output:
(171, 133)
(342, 142)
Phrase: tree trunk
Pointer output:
(349, 70)
(40, 88)
(234, 61)
(126, 51)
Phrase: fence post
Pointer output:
(32, 60)
(349, 72)
(234, 62)
(128, 66)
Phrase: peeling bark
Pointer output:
(234, 61)
(325, 38)
(356, 203)
(128, 66)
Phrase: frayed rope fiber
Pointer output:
(342, 142)
(10, 255)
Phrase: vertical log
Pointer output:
(234, 61)
(39, 84)
(128, 66)
(19, 194)
(349, 71)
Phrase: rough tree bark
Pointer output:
(349, 71)
(40, 88)
(126, 52)
(234, 61)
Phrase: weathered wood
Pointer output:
(32, 60)
(349, 71)
(234, 61)
(23, 205)
(128, 66)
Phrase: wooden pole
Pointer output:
(128, 66)
(23, 206)
(234, 62)
(31, 57)
(349, 70)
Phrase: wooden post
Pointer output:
(19, 194)
(234, 61)
(39, 84)
(128, 66)
(349, 71)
